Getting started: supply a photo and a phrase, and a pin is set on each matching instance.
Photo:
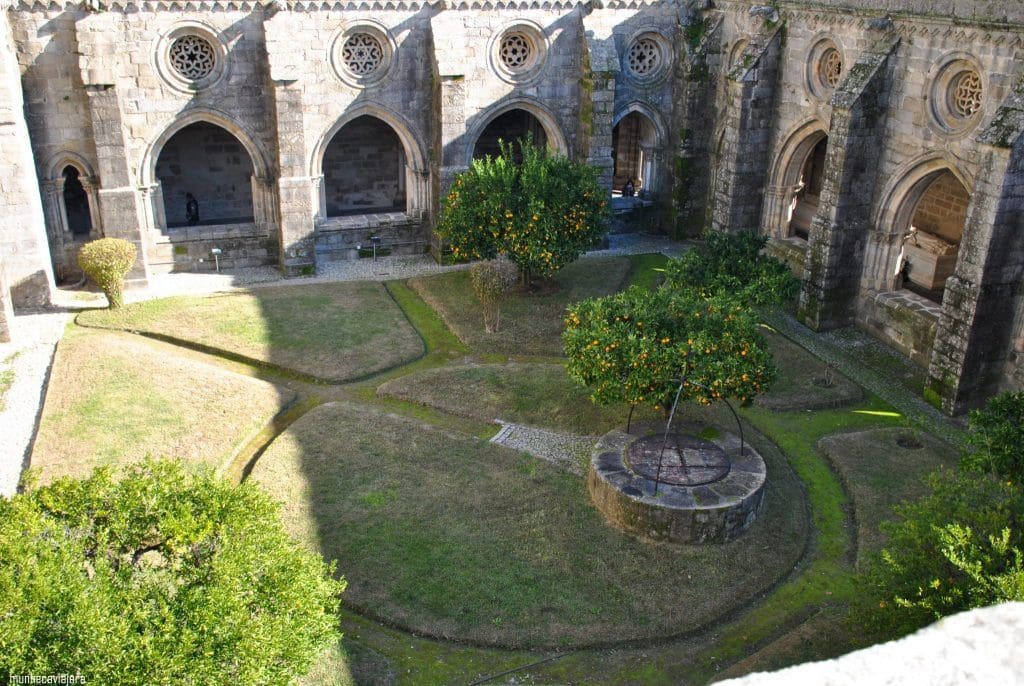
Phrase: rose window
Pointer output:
(644, 57)
(831, 68)
(362, 54)
(193, 57)
(516, 50)
(966, 94)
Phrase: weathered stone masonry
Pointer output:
(310, 127)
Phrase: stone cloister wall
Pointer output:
(893, 130)
(734, 94)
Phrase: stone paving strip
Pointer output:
(841, 355)
(564, 450)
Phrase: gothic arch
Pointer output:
(784, 182)
(794, 150)
(263, 203)
(71, 209)
(54, 167)
(661, 130)
(900, 201)
(639, 136)
(260, 160)
(553, 132)
(908, 184)
(416, 171)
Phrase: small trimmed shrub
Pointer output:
(492, 280)
(958, 547)
(543, 211)
(996, 438)
(107, 261)
(733, 263)
(163, 575)
(634, 346)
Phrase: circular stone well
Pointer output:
(708, 491)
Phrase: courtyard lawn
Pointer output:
(333, 332)
(115, 398)
(881, 468)
(531, 324)
(537, 394)
(457, 538)
(803, 381)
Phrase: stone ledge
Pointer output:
(715, 512)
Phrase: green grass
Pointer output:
(455, 537)
(335, 332)
(540, 395)
(647, 270)
(531, 324)
(114, 399)
(828, 580)
(880, 472)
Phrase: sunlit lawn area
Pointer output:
(334, 332)
(115, 398)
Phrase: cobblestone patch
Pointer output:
(568, 451)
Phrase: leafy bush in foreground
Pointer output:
(162, 576)
(996, 438)
(956, 548)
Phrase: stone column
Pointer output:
(597, 97)
(840, 228)
(23, 244)
(974, 333)
(120, 204)
(297, 198)
(450, 67)
(743, 166)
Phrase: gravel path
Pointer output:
(561, 449)
(29, 356)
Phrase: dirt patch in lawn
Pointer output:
(804, 382)
(530, 324)
(115, 398)
(334, 332)
(880, 468)
(540, 395)
(451, 536)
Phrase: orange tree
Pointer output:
(733, 263)
(635, 346)
(541, 210)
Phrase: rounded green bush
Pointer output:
(163, 575)
(107, 261)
